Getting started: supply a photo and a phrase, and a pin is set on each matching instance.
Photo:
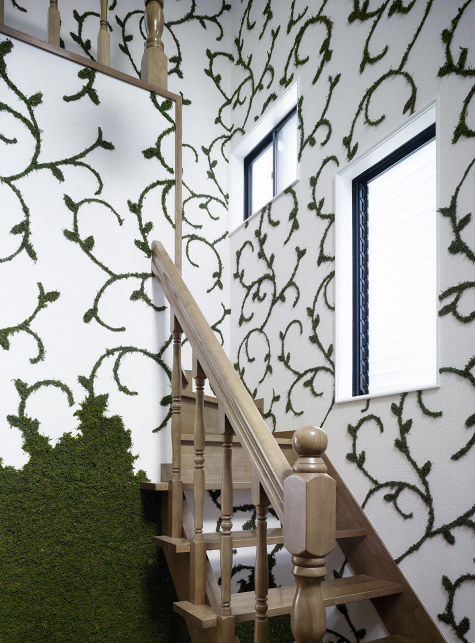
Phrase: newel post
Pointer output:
(309, 531)
(154, 61)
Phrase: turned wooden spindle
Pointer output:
(154, 61)
(54, 23)
(309, 531)
(261, 502)
(103, 37)
(226, 624)
(198, 547)
(175, 485)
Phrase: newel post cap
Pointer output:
(310, 443)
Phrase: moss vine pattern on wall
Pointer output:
(314, 383)
(267, 294)
(127, 571)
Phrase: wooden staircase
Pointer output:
(309, 497)
(222, 443)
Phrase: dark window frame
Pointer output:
(269, 140)
(360, 383)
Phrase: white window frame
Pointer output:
(266, 123)
(344, 252)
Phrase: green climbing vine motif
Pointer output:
(323, 298)
(78, 37)
(18, 6)
(196, 201)
(466, 374)
(325, 50)
(322, 121)
(23, 227)
(360, 13)
(33, 442)
(458, 247)
(263, 289)
(87, 246)
(44, 298)
(462, 627)
(89, 75)
(394, 488)
(459, 68)
(117, 354)
(451, 66)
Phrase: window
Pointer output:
(394, 277)
(271, 166)
(386, 265)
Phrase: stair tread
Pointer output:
(334, 591)
(245, 538)
(396, 638)
(163, 486)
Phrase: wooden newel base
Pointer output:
(175, 508)
(308, 618)
(226, 629)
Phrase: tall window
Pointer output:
(271, 166)
(394, 270)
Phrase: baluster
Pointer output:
(2, 12)
(175, 485)
(154, 61)
(54, 23)
(226, 624)
(197, 547)
(260, 501)
(309, 531)
(103, 37)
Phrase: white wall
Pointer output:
(294, 334)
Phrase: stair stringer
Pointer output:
(403, 614)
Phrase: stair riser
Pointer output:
(241, 466)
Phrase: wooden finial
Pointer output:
(310, 443)
(103, 37)
(154, 61)
(309, 530)
(54, 23)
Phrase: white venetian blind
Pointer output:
(402, 274)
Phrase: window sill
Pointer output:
(370, 396)
(257, 212)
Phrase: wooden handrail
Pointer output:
(260, 445)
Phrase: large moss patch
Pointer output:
(77, 561)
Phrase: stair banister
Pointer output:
(304, 498)
(246, 421)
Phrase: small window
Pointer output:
(271, 166)
(394, 270)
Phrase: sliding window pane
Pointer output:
(262, 179)
(402, 274)
(286, 154)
